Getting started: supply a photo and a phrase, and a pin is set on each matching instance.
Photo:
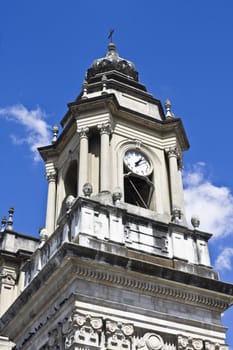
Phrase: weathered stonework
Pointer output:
(116, 266)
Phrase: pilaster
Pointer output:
(83, 158)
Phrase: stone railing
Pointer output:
(94, 223)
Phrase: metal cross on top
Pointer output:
(110, 35)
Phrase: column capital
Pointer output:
(172, 152)
(51, 175)
(83, 158)
(104, 128)
(83, 132)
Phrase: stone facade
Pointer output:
(116, 267)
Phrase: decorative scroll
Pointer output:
(83, 132)
(83, 331)
(150, 341)
(172, 152)
(188, 343)
(86, 332)
(215, 346)
(118, 335)
(104, 128)
(51, 176)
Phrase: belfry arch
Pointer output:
(70, 179)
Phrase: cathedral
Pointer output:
(116, 266)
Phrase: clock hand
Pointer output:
(138, 161)
(141, 161)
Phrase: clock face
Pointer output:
(137, 162)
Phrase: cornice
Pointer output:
(74, 262)
(128, 273)
(110, 101)
(150, 287)
(174, 125)
(53, 150)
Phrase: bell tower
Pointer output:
(117, 266)
(116, 137)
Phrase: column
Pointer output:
(51, 200)
(180, 168)
(175, 182)
(83, 159)
(105, 131)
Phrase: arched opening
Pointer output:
(70, 185)
(138, 175)
(71, 179)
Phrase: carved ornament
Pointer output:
(104, 128)
(83, 132)
(172, 152)
(83, 329)
(150, 341)
(8, 277)
(51, 176)
(118, 335)
(188, 343)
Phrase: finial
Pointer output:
(43, 235)
(87, 189)
(104, 85)
(111, 45)
(55, 133)
(84, 89)
(10, 218)
(169, 113)
(110, 35)
(69, 203)
(176, 215)
(3, 224)
(117, 195)
(195, 221)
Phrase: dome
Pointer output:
(112, 62)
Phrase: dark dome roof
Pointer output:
(112, 62)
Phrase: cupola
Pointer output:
(111, 62)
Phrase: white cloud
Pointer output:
(214, 207)
(224, 260)
(37, 131)
(212, 204)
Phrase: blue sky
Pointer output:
(183, 51)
